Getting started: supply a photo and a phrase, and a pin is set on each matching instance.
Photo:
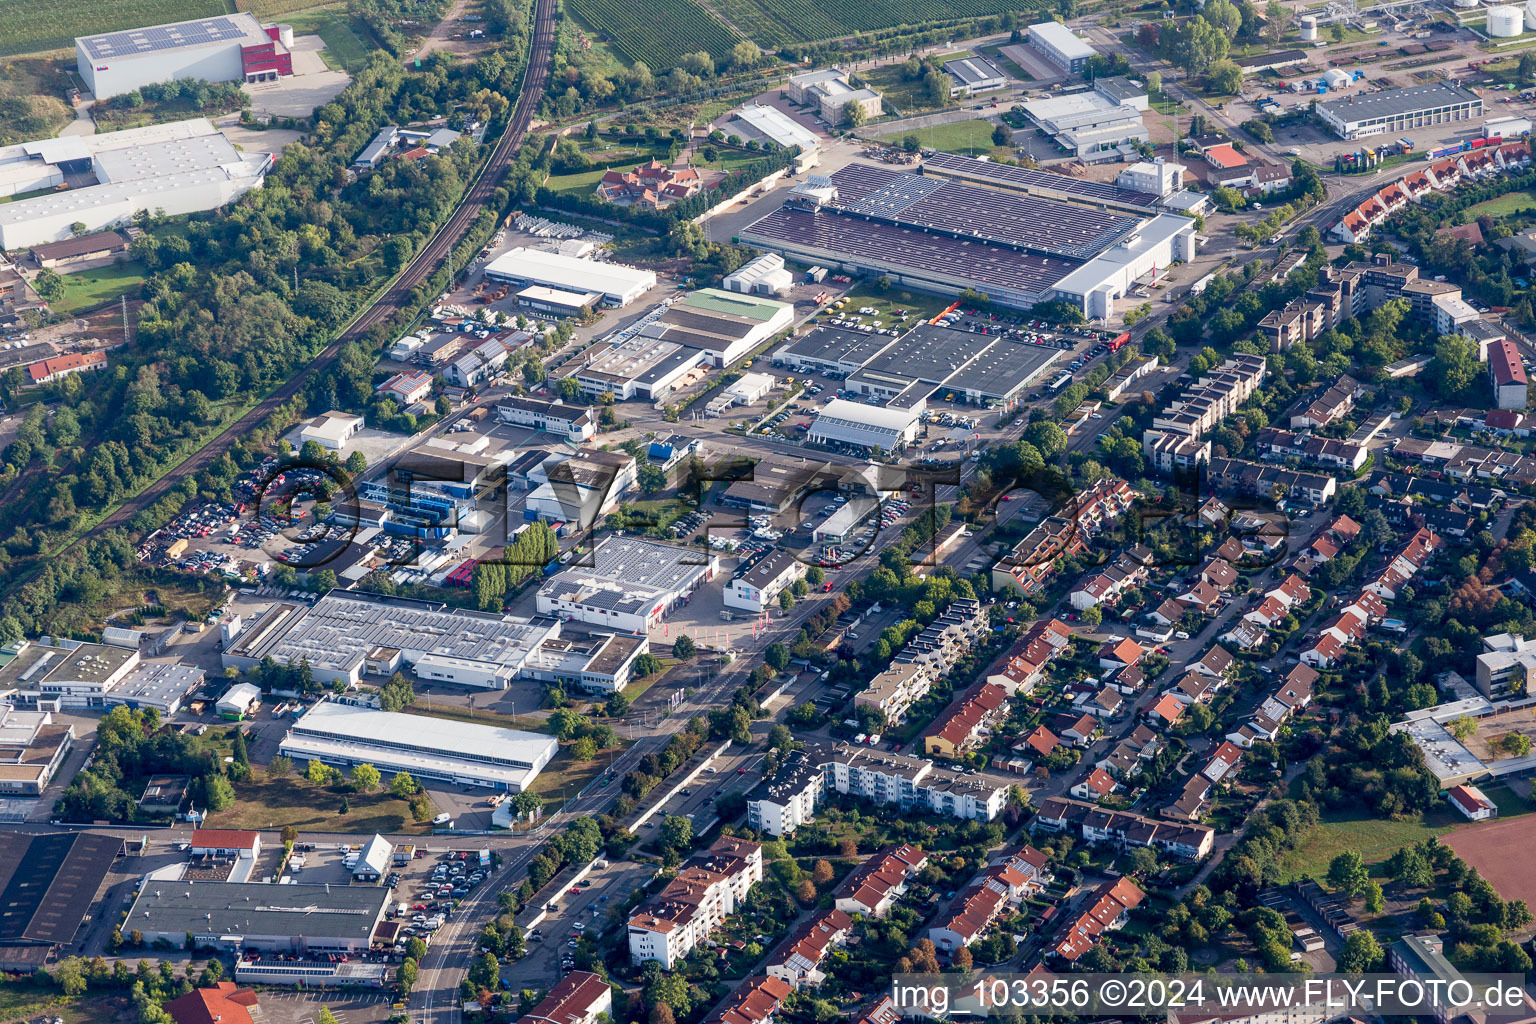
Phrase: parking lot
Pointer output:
(285, 1007)
(581, 910)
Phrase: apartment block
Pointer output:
(706, 890)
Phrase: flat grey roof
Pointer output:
(259, 908)
(1394, 102)
(1004, 368)
(835, 344)
(971, 70)
(931, 353)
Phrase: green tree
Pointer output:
(675, 833)
(318, 772)
(48, 285)
(1361, 954)
(1463, 727)
(280, 767)
(484, 971)
(325, 1016)
(853, 113)
(402, 786)
(683, 647)
(367, 777)
(1000, 135)
(786, 599)
(1347, 873)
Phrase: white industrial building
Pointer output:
(619, 285)
(845, 422)
(972, 75)
(1101, 123)
(764, 275)
(239, 916)
(238, 700)
(725, 325)
(579, 487)
(331, 430)
(174, 168)
(770, 124)
(346, 635)
(1063, 46)
(426, 747)
(228, 48)
(68, 674)
(575, 423)
(1156, 245)
(629, 583)
(757, 586)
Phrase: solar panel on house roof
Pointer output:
(155, 38)
(1027, 178)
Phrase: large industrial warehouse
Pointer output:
(1400, 110)
(345, 635)
(619, 285)
(428, 748)
(943, 236)
(629, 585)
(229, 48)
(235, 916)
(173, 168)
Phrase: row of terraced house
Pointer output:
(1440, 176)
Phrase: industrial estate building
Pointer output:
(428, 748)
(345, 635)
(48, 884)
(1101, 123)
(705, 328)
(32, 749)
(972, 75)
(68, 674)
(830, 91)
(905, 370)
(629, 585)
(237, 916)
(173, 168)
(618, 284)
(1400, 110)
(229, 48)
(1063, 46)
(770, 124)
(943, 236)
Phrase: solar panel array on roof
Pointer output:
(155, 38)
(1028, 179)
(969, 211)
(936, 257)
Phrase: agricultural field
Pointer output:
(774, 23)
(656, 35)
(27, 26)
(265, 9)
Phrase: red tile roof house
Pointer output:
(1226, 757)
(1096, 785)
(1080, 729)
(580, 998)
(1324, 652)
(1166, 711)
(224, 1003)
(225, 842)
(1042, 741)
(1119, 654)
(976, 908)
(1108, 909)
(874, 887)
(755, 1002)
(798, 961)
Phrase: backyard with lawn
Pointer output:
(87, 289)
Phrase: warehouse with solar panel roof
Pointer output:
(229, 48)
(1019, 236)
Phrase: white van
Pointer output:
(442, 819)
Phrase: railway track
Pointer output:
(421, 267)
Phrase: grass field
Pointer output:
(90, 288)
(1373, 839)
(27, 26)
(265, 803)
(972, 138)
(344, 44)
(918, 306)
(1504, 206)
(657, 34)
